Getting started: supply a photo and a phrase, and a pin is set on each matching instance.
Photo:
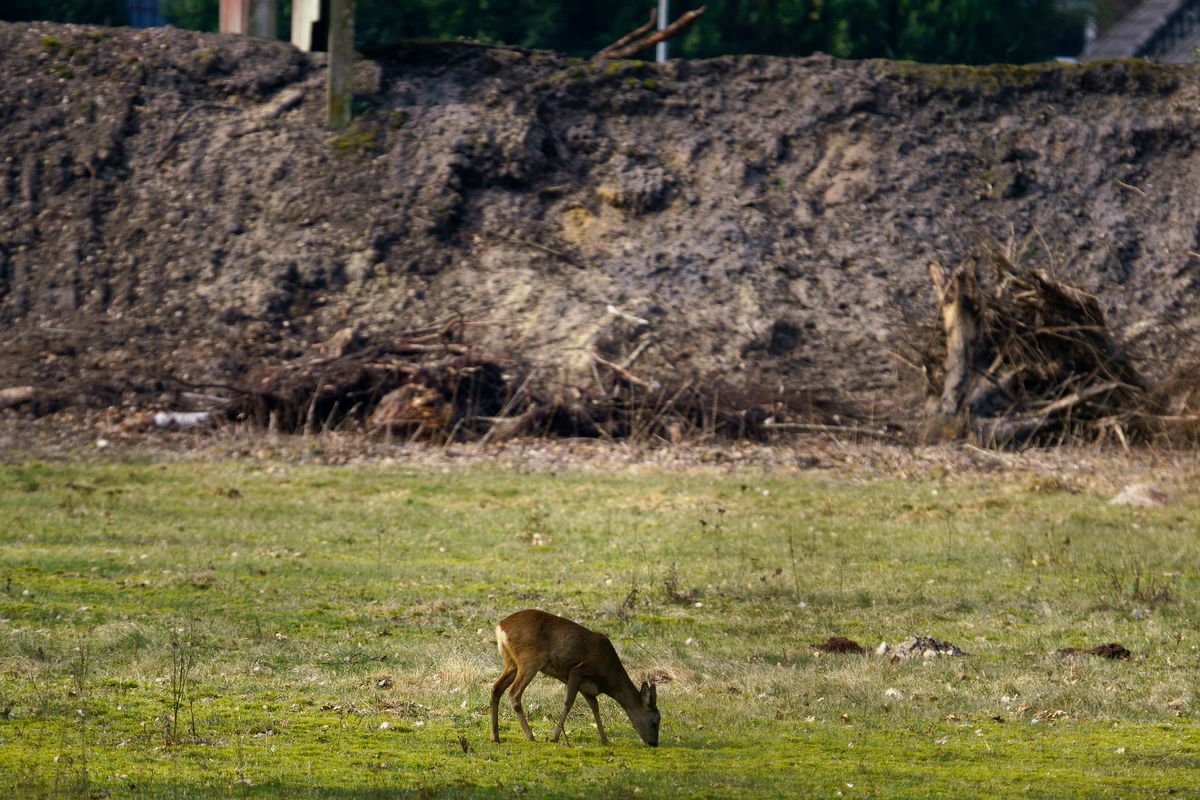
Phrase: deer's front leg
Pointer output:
(591, 701)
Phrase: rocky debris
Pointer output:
(15, 396)
(344, 342)
(1140, 495)
(839, 644)
(1113, 650)
(918, 646)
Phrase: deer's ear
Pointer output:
(653, 695)
(647, 695)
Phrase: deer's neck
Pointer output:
(625, 692)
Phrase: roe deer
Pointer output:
(531, 641)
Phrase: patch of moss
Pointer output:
(360, 139)
(958, 77)
(50, 42)
(205, 58)
(1151, 75)
(621, 67)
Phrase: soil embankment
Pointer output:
(176, 223)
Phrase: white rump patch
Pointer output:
(501, 640)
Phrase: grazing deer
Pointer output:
(533, 641)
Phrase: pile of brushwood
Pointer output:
(1022, 358)
(428, 384)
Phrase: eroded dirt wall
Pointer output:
(173, 210)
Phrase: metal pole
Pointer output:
(660, 53)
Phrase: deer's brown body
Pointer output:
(533, 641)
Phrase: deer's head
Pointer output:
(645, 717)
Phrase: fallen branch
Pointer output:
(671, 31)
(536, 246)
(629, 37)
(165, 149)
(625, 374)
(1075, 398)
(1131, 188)
(806, 427)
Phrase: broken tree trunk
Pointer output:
(1025, 357)
(961, 326)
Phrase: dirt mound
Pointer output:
(746, 235)
(839, 644)
(1113, 650)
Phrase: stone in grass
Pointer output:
(1140, 495)
(923, 646)
(839, 644)
(1113, 650)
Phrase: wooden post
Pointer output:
(339, 84)
(250, 17)
(261, 19)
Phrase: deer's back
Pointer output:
(561, 644)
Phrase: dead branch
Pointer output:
(805, 427)
(165, 149)
(671, 31)
(625, 374)
(629, 37)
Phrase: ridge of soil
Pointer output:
(177, 223)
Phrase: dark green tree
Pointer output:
(93, 12)
(193, 15)
(948, 31)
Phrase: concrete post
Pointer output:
(305, 13)
(232, 16)
(339, 84)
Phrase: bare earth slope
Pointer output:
(173, 210)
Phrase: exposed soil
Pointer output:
(839, 644)
(748, 235)
(1113, 650)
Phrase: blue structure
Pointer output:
(145, 13)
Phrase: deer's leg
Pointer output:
(573, 681)
(506, 679)
(591, 701)
(524, 676)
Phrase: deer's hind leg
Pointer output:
(525, 674)
(505, 680)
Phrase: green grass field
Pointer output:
(215, 628)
